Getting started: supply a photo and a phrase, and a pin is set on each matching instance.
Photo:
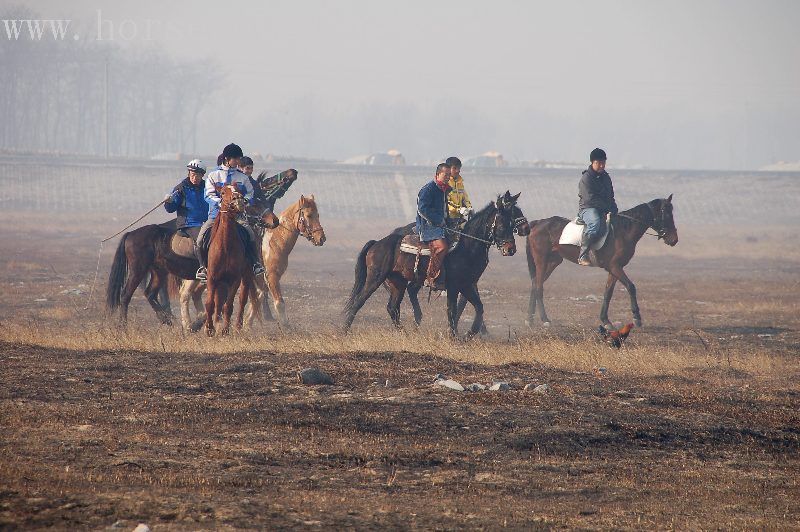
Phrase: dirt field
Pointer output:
(695, 424)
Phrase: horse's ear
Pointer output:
(515, 198)
(302, 200)
(669, 199)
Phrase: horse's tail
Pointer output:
(174, 285)
(361, 274)
(117, 276)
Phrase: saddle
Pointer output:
(182, 245)
(573, 232)
(411, 244)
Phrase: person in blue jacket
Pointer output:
(431, 217)
(187, 198)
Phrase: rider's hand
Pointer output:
(464, 211)
(168, 198)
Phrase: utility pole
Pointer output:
(105, 97)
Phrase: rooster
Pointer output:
(615, 338)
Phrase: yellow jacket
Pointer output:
(457, 197)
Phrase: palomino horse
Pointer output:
(382, 262)
(545, 254)
(228, 266)
(146, 250)
(300, 218)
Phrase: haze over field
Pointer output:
(672, 85)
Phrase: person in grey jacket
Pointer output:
(596, 200)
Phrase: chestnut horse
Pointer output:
(382, 262)
(146, 250)
(545, 254)
(228, 266)
(300, 218)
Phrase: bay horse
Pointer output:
(382, 262)
(146, 251)
(300, 218)
(544, 252)
(228, 266)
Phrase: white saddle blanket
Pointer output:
(573, 232)
(423, 250)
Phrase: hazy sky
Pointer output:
(667, 84)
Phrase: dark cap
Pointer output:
(597, 155)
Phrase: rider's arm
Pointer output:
(467, 202)
(171, 204)
(210, 193)
(248, 187)
(613, 203)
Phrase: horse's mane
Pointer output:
(479, 218)
(633, 211)
(309, 201)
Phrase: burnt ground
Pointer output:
(189, 438)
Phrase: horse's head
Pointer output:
(308, 220)
(521, 226)
(260, 213)
(504, 223)
(663, 222)
(232, 199)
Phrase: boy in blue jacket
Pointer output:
(431, 216)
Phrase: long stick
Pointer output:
(137, 220)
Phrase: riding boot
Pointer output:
(202, 272)
(435, 278)
(583, 257)
(252, 256)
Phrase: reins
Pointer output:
(659, 235)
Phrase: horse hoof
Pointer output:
(545, 324)
(210, 332)
(638, 322)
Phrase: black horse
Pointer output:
(382, 262)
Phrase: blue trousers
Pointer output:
(595, 221)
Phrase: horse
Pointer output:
(544, 253)
(147, 251)
(521, 228)
(228, 266)
(300, 218)
(382, 262)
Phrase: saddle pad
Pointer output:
(411, 244)
(182, 246)
(572, 235)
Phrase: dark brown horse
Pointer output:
(545, 254)
(147, 250)
(228, 266)
(382, 262)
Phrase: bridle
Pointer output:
(661, 232)
(302, 226)
(490, 238)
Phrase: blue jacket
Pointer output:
(431, 212)
(190, 203)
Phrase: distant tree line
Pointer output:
(58, 96)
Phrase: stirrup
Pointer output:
(258, 268)
(201, 274)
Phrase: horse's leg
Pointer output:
(374, 280)
(152, 291)
(532, 301)
(274, 284)
(227, 308)
(413, 297)
(452, 303)
(185, 297)
(211, 310)
(197, 296)
(543, 273)
(397, 289)
(474, 298)
(136, 272)
(609, 292)
(620, 274)
(246, 286)
(462, 304)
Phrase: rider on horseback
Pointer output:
(187, 198)
(228, 174)
(431, 223)
(458, 204)
(596, 200)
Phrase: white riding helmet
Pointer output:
(197, 165)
